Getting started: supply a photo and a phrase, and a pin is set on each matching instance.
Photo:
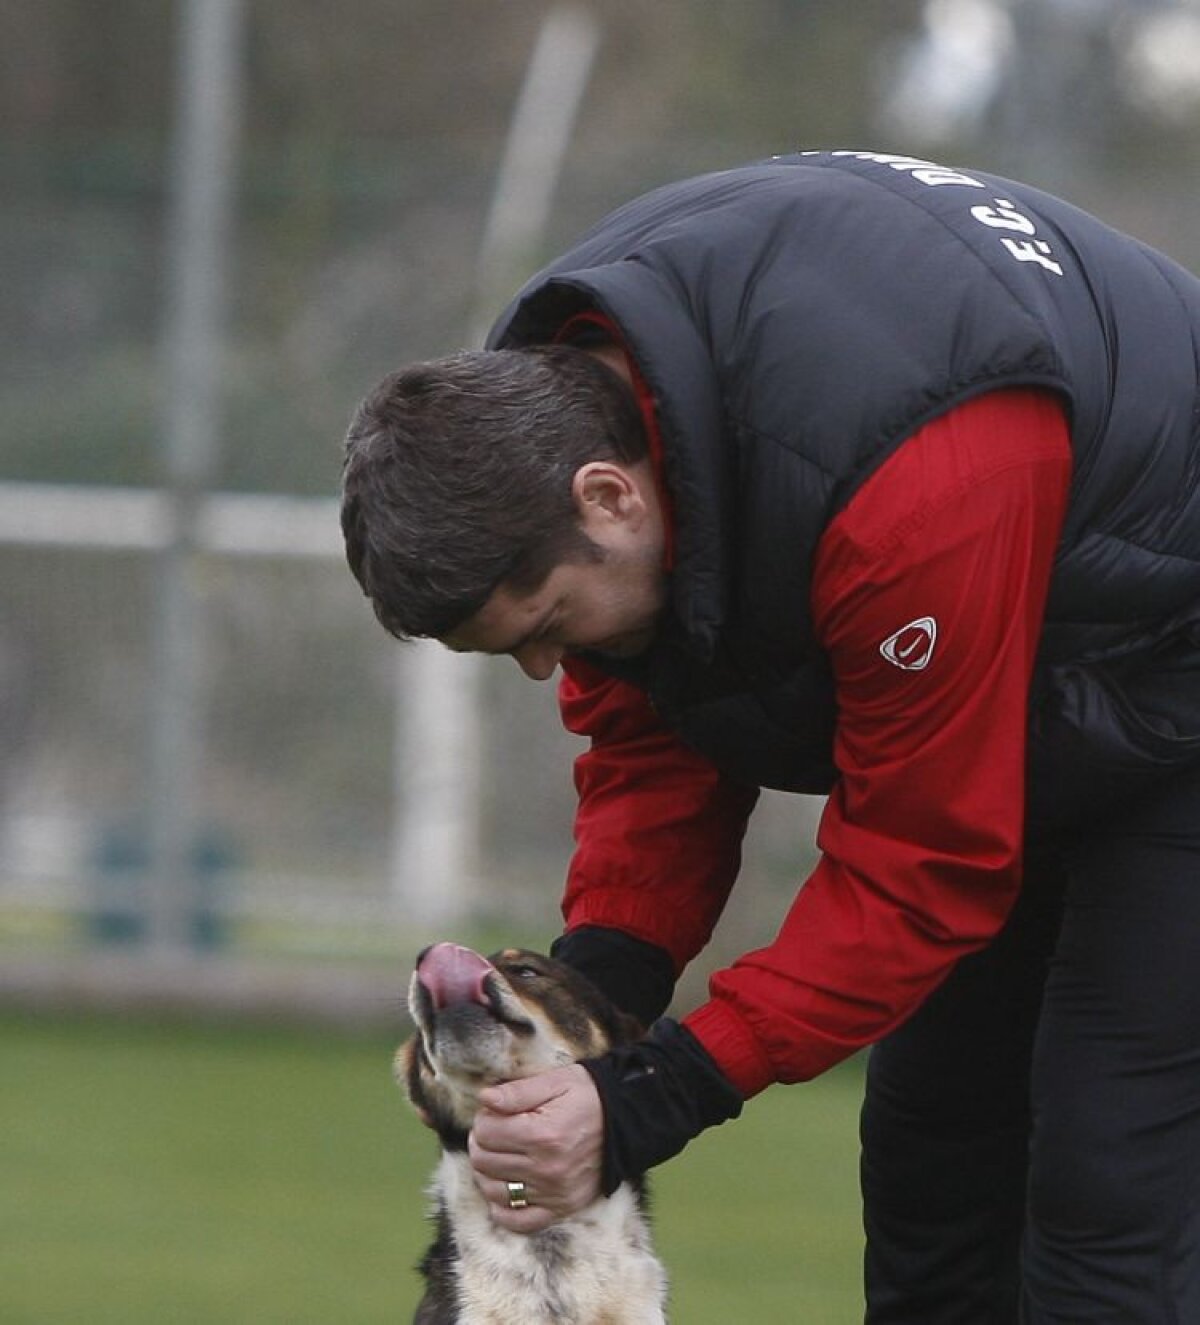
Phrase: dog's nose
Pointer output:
(453, 974)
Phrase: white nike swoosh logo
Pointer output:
(914, 656)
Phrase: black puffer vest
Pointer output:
(796, 320)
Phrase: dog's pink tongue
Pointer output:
(453, 974)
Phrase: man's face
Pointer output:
(609, 603)
(604, 605)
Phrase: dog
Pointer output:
(480, 1021)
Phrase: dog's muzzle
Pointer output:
(518, 1196)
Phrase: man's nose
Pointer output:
(538, 659)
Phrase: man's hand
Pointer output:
(546, 1131)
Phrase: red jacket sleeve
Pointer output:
(658, 829)
(929, 592)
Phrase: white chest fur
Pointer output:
(594, 1269)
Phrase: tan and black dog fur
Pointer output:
(485, 1020)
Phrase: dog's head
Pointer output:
(482, 1020)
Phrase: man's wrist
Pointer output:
(658, 1093)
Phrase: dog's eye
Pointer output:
(524, 972)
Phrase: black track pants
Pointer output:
(1031, 1138)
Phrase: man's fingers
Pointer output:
(537, 1213)
(490, 1151)
(524, 1095)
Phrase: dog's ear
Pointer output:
(618, 1026)
(406, 1068)
(432, 1104)
(627, 1028)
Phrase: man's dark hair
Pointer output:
(457, 477)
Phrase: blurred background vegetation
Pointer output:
(370, 137)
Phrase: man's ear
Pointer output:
(606, 492)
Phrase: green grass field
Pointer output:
(168, 1174)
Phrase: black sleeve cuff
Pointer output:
(658, 1093)
(638, 977)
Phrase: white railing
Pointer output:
(142, 519)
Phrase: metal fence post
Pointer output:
(200, 223)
